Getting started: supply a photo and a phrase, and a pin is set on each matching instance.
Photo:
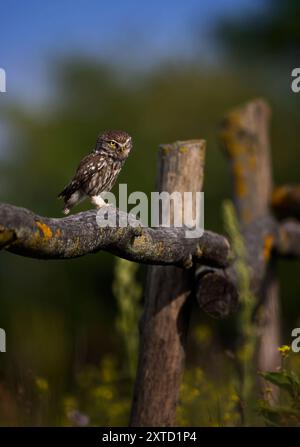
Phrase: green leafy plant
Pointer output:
(245, 325)
(127, 292)
(206, 400)
(102, 397)
(287, 411)
(103, 394)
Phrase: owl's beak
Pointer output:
(126, 145)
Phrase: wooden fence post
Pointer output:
(163, 327)
(245, 135)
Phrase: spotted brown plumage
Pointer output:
(98, 171)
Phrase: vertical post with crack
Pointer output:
(163, 327)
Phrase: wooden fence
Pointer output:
(171, 280)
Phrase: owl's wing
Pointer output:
(91, 165)
(91, 173)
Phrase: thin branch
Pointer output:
(24, 233)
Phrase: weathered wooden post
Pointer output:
(245, 136)
(163, 327)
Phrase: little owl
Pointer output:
(98, 170)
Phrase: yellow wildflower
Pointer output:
(42, 384)
(284, 350)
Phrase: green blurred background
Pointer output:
(161, 73)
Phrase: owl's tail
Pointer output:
(71, 196)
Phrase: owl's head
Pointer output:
(115, 142)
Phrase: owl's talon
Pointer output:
(98, 201)
(138, 231)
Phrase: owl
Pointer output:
(98, 170)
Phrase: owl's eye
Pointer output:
(113, 144)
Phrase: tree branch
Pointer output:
(286, 201)
(216, 291)
(24, 233)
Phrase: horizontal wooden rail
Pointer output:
(24, 233)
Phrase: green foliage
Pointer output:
(210, 390)
(103, 397)
(287, 381)
(246, 327)
(204, 401)
(287, 411)
(271, 33)
(127, 292)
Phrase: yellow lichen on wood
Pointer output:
(268, 245)
(6, 236)
(183, 149)
(140, 242)
(58, 232)
(239, 179)
(285, 195)
(161, 248)
(47, 232)
(252, 162)
(228, 134)
(231, 145)
(279, 195)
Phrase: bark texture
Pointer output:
(288, 244)
(245, 136)
(166, 313)
(25, 233)
(216, 291)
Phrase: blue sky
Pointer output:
(33, 33)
